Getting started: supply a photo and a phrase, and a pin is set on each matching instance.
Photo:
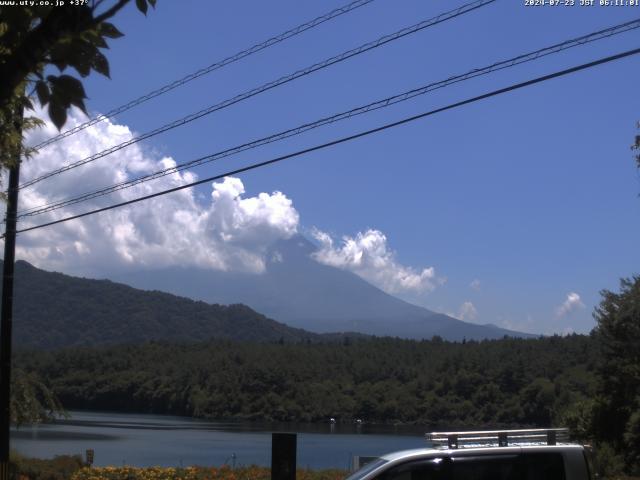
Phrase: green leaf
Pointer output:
(70, 87)
(152, 3)
(82, 65)
(66, 91)
(61, 53)
(26, 103)
(142, 6)
(95, 37)
(100, 64)
(57, 113)
(108, 30)
(42, 89)
(80, 104)
(81, 57)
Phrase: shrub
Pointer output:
(58, 468)
(198, 473)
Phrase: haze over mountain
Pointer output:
(297, 290)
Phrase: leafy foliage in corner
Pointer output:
(31, 400)
(615, 416)
(34, 37)
(508, 382)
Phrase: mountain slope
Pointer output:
(53, 310)
(297, 290)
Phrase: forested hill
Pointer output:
(433, 383)
(53, 310)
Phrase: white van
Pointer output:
(538, 454)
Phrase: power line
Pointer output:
(379, 104)
(268, 86)
(347, 138)
(214, 66)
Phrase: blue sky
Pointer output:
(533, 195)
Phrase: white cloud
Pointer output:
(227, 231)
(571, 304)
(368, 255)
(475, 285)
(467, 311)
(527, 325)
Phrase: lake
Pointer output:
(146, 440)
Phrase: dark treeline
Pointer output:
(435, 383)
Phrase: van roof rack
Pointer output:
(498, 438)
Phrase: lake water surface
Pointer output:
(146, 440)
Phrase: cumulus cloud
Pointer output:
(368, 255)
(475, 285)
(227, 231)
(571, 304)
(467, 311)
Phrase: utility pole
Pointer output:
(6, 318)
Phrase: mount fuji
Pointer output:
(297, 290)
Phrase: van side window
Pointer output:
(543, 466)
(495, 467)
(524, 466)
(432, 469)
(527, 466)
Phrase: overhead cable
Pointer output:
(344, 139)
(270, 85)
(379, 104)
(214, 66)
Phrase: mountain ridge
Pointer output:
(53, 310)
(299, 300)
(299, 291)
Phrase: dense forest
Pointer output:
(435, 383)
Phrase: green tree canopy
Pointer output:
(616, 417)
(35, 37)
(31, 400)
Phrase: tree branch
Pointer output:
(29, 53)
(107, 14)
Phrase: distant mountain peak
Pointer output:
(297, 246)
(299, 291)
